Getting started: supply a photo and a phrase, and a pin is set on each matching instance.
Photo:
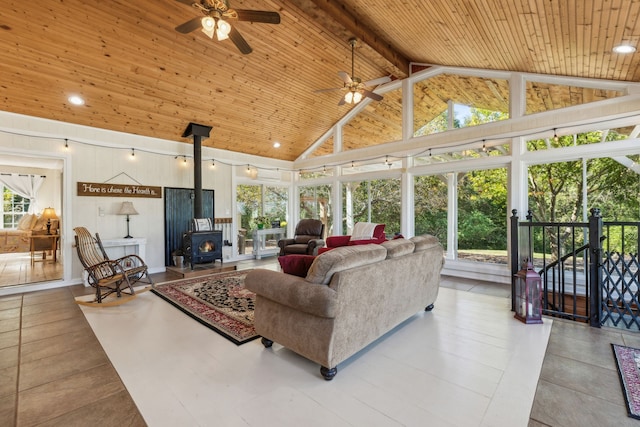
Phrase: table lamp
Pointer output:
(49, 214)
(127, 209)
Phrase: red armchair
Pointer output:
(337, 241)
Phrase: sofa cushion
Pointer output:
(298, 265)
(398, 247)
(343, 258)
(424, 242)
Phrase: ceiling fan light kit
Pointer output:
(354, 86)
(213, 23)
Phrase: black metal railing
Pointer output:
(584, 277)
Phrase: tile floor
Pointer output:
(466, 363)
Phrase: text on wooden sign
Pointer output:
(118, 190)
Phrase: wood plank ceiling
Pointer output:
(138, 75)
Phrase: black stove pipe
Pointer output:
(198, 131)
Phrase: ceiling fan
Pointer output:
(215, 21)
(354, 86)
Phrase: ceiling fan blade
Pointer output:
(187, 2)
(378, 81)
(345, 77)
(258, 16)
(372, 95)
(239, 41)
(342, 101)
(190, 25)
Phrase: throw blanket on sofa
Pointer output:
(363, 230)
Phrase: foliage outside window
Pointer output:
(14, 207)
(377, 201)
(261, 204)
(315, 203)
(556, 193)
(586, 138)
(482, 221)
(463, 117)
(430, 208)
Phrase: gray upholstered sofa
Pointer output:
(351, 296)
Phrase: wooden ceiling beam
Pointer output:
(340, 14)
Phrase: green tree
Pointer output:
(482, 207)
(376, 200)
(430, 206)
(556, 190)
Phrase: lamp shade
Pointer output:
(127, 209)
(49, 213)
(223, 29)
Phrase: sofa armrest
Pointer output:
(337, 241)
(314, 245)
(285, 242)
(293, 291)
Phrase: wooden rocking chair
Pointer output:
(106, 275)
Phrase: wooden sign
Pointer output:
(118, 190)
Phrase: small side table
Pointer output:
(260, 248)
(44, 242)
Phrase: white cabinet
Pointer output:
(117, 248)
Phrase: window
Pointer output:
(482, 216)
(315, 203)
(258, 203)
(376, 201)
(14, 207)
(430, 207)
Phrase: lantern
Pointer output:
(528, 294)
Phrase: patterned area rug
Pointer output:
(628, 361)
(218, 301)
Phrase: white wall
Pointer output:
(96, 155)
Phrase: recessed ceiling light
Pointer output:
(276, 144)
(624, 48)
(76, 100)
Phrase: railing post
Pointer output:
(515, 256)
(595, 273)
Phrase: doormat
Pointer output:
(628, 362)
(219, 301)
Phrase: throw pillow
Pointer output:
(41, 224)
(202, 224)
(25, 222)
(297, 265)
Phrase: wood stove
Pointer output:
(202, 246)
